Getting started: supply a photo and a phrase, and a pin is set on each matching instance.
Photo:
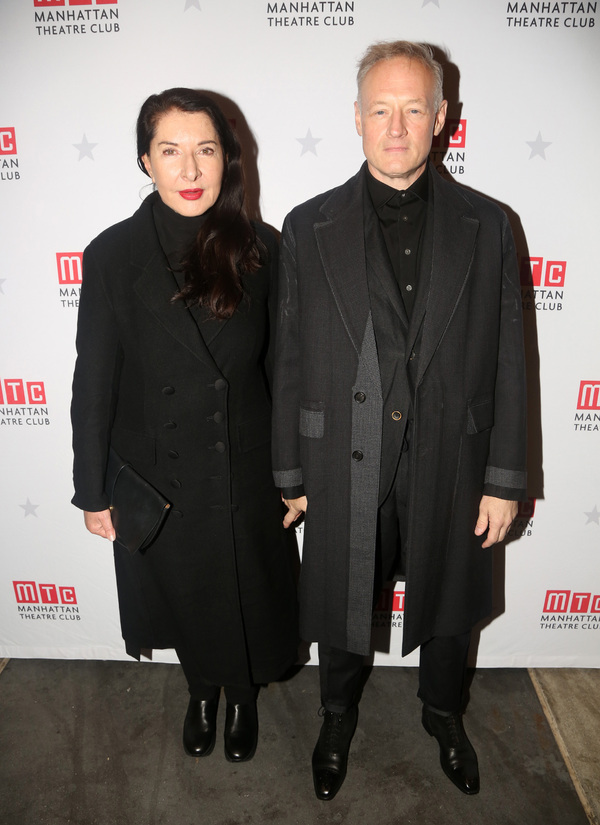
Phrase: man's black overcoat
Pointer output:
(464, 356)
(218, 578)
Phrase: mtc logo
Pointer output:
(69, 265)
(17, 391)
(391, 601)
(561, 601)
(526, 508)
(589, 395)
(452, 136)
(47, 4)
(8, 142)
(32, 593)
(534, 272)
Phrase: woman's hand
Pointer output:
(100, 524)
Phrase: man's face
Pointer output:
(397, 120)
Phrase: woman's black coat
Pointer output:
(218, 578)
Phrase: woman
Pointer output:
(172, 336)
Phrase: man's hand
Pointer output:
(296, 506)
(100, 524)
(495, 515)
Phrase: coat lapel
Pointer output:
(156, 286)
(341, 243)
(453, 236)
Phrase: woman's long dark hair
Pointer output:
(226, 245)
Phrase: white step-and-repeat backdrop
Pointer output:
(522, 85)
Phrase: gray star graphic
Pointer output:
(85, 148)
(309, 143)
(192, 4)
(2, 280)
(538, 146)
(435, 3)
(594, 516)
(29, 508)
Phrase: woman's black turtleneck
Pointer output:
(176, 233)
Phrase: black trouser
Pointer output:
(203, 690)
(441, 674)
(443, 659)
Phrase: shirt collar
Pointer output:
(381, 193)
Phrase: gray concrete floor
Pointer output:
(99, 743)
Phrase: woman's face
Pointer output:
(186, 162)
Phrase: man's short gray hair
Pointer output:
(403, 48)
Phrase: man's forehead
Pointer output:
(396, 70)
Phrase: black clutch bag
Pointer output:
(138, 510)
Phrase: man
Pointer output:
(399, 418)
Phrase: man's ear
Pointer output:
(440, 118)
(357, 118)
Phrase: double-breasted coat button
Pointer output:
(173, 454)
(413, 355)
(219, 417)
(396, 415)
(170, 425)
(360, 397)
(220, 384)
(220, 447)
(357, 455)
(175, 483)
(168, 390)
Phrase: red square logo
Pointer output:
(70, 267)
(555, 273)
(452, 136)
(49, 593)
(67, 595)
(457, 133)
(580, 602)
(8, 141)
(398, 601)
(36, 392)
(14, 391)
(531, 271)
(557, 601)
(26, 592)
(589, 395)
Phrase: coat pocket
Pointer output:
(254, 433)
(312, 423)
(480, 415)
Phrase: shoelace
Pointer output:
(333, 731)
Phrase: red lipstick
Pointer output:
(191, 194)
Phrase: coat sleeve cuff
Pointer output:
(290, 493)
(288, 478)
(508, 493)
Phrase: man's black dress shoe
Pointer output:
(330, 756)
(457, 755)
(200, 726)
(241, 732)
